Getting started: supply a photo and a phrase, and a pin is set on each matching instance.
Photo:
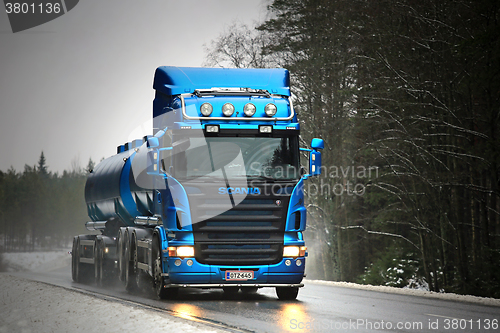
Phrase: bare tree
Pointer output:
(241, 47)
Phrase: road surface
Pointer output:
(318, 308)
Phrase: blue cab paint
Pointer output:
(208, 200)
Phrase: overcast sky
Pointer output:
(80, 85)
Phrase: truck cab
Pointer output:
(216, 192)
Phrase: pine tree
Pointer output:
(90, 166)
(42, 166)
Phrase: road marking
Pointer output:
(433, 315)
(311, 297)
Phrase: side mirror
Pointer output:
(317, 144)
(315, 157)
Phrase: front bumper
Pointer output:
(212, 276)
(223, 285)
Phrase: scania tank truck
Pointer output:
(213, 198)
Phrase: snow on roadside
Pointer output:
(412, 292)
(29, 306)
(36, 261)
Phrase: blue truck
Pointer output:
(213, 198)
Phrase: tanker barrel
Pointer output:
(95, 226)
(115, 189)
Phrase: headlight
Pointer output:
(291, 251)
(294, 251)
(182, 251)
(206, 109)
(265, 129)
(249, 109)
(185, 251)
(228, 109)
(270, 109)
(212, 128)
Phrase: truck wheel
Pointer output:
(81, 273)
(158, 283)
(143, 279)
(121, 254)
(74, 261)
(130, 261)
(107, 270)
(287, 293)
(102, 271)
(97, 264)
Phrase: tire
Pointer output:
(103, 273)
(74, 261)
(130, 261)
(81, 273)
(107, 272)
(121, 254)
(143, 279)
(287, 293)
(158, 282)
(97, 264)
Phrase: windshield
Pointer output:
(231, 157)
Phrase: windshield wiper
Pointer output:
(268, 178)
(262, 177)
(202, 177)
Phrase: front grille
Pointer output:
(250, 233)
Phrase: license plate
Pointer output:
(239, 275)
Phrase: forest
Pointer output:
(40, 209)
(409, 90)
